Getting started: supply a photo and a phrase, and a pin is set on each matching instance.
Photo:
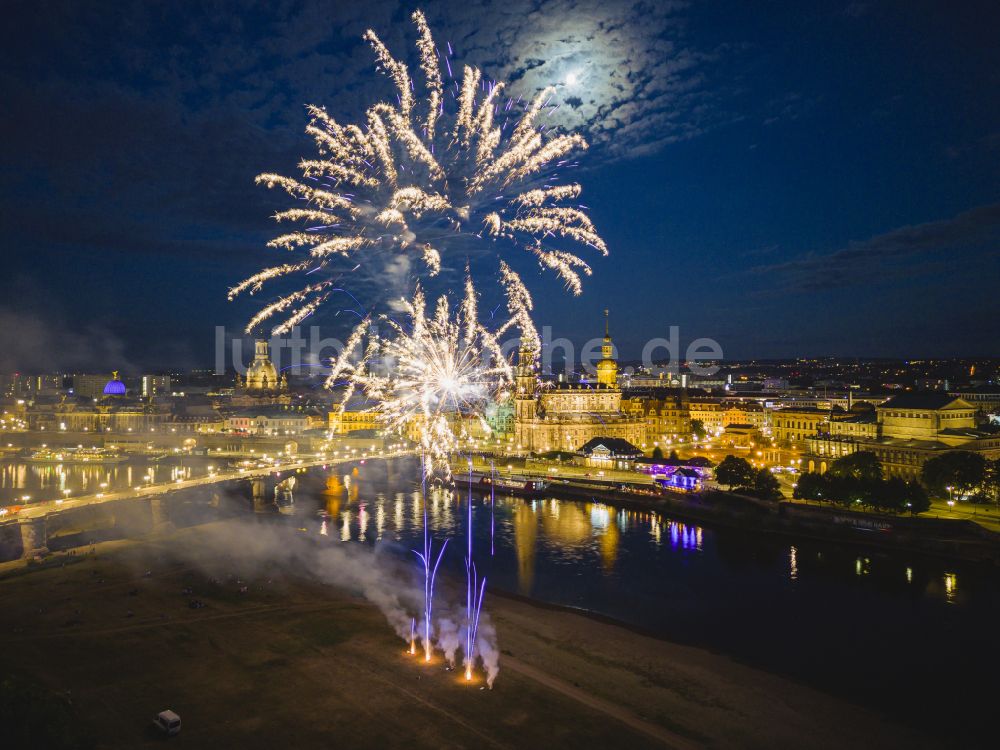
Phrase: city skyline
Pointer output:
(547, 373)
(793, 199)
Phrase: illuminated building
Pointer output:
(112, 413)
(986, 399)
(564, 416)
(155, 385)
(352, 419)
(926, 416)
(262, 375)
(268, 421)
(792, 426)
(910, 429)
(92, 386)
(740, 436)
(17, 385)
(667, 419)
(709, 412)
(741, 413)
(114, 387)
(607, 368)
(500, 418)
(864, 425)
(612, 453)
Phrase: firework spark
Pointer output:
(423, 179)
(429, 376)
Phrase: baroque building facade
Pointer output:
(564, 417)
(262, 376)
(907, 430)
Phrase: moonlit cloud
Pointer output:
(626, 74)
(957, 242)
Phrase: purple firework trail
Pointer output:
(430, 572)
(493, 497)
(474, 594)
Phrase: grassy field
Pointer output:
(294, 663)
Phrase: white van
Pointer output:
(167, 722)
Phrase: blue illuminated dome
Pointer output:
(114, 387)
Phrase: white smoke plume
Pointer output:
(487, 648)
(385, 581)
(449, 638)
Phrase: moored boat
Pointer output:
(516, 485)
(76, 456)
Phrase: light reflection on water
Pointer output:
(598, 556)
(563, 533)
(45, 481)
(818, 611)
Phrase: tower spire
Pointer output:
(606, 329)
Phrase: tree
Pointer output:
(658, 453)
(992, 484)
(963, 471)
(698, 428)
(891, 495)
(765, 485)
(735, 472)
(917, 500)
(847, 491)
(863, 465)
(811, 486)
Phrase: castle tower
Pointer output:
(607, 368)
(524, 374)
(525, 384)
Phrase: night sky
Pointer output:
(798, 178)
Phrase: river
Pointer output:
(23, 481)
(911, 636)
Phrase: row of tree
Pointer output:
(961, 474)
(738, 474)
(893, 495)
(859, 479)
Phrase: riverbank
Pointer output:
(945, 538)
(295, 662)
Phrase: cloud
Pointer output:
(138, 141)
(905, 251)
(147, 128)
(626, 74)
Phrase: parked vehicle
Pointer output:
(167, 722)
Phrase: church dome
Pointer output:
(262, 375)
(114, 387)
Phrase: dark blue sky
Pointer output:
(790, 178)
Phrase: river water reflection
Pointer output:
(20, 479)
(894, 630)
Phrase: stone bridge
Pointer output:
(134, 512)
